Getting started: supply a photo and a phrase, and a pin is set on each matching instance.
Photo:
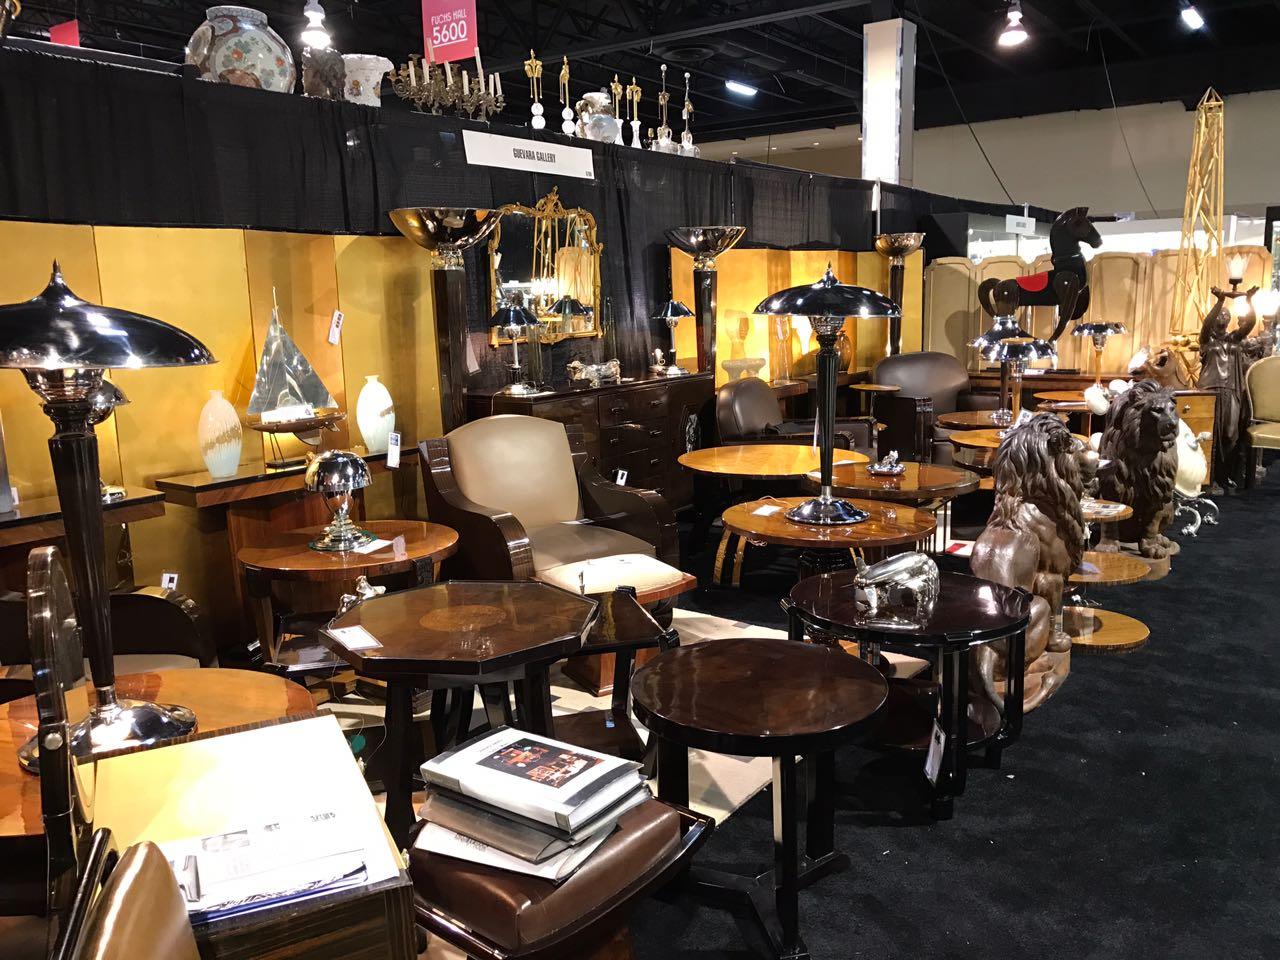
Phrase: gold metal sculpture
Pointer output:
(565, 263)
(431, 86)
(533, 70)
(1200, 250)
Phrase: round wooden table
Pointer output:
(763, 698)
(1109, 569)
(1061, 396)
(970, 420)
(978, 459)
(822, 548)
(761, 461)
(987, 439)
(968, 612)
(413, 548)
(1105, 511)
(220, 698)
(1096, 630)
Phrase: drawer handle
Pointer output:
(614, 442)
(617, 409)
(1186, 408)
(654, 462)
(655, 433)
(655, 403)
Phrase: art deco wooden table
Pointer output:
(987, 439)
(1061, 396)
(821, 547)
(763, 698)
(969, 612)
(761, 461)
(969, 420)
(977, 459)
(1093, 629)
(223, 700)
(459, 634)
(413, 548)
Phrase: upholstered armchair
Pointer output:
(1263, 383)
(928, 384)
(747, 411)
(527, 502)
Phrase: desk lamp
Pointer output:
(514, 319)
(336, 475)
(1016, 353)
(63, 346)
(827, 304)
(671, 313)
(1002, 328)
(1099, 332)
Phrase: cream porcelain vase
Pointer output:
(220, 436)
(375, 414)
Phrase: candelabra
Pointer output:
(436, 87)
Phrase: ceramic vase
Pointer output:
(364, 78)
(375, 414)
(220, 436)
(235, 45)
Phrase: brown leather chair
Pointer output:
(528, 503)
(747, 411)
(929, 383)
(495, 915)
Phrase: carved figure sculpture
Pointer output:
(1163, 365)
(1138, 440)
(1034, 539)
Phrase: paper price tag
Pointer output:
(621, 478)
(354, 638)
(169, 580)
(335, 327)
(371, 546)
(767, 510)
(393, 450)
(933, 760)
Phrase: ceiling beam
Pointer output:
(698, 28)
(1091, 8)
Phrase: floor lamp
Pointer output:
(1002, 328)
(1099, 332)
(827, 304)
(896, 247)
(447, 233)
(705, 244)
(1015, 353)
(63, 346)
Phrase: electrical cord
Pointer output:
(1119, 123)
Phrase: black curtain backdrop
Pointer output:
(104, 144)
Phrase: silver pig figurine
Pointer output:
(594, 372)
(897, 593)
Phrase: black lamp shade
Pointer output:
(56, 330)
(569, 305)
(672, 310)
(828, 298)
(513, 315)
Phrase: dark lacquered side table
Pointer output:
(763, 698)
(461, 635)
(969, 612)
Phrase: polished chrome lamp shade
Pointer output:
(446, 232)
(1002, 328)
(827, 304)
(1015, 353)
(514, 320)
(63, 345)
(671, 313)
(1099, 332)
(705, 244)
(336, 475)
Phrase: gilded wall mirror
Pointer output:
(548, 255)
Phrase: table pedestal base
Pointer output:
(1102, 631)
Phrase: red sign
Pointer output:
(449, 29)
(66, 33)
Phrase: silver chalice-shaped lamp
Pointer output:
(63, 345)
(897, 247)
(1014, 353)
(1099, 332)
(827, 304)
(671, 313)
(336, 475)
(705, 244)
(1002, 327)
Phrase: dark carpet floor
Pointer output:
(1136, 817)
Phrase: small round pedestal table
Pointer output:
(822, 548)
(763, 698)
(987, 439)
(1104, 631)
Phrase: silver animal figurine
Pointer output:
(898, 593)
(595, 373)
(888, 466)
(364, 591)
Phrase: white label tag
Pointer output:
(335, 327)
(768, 510)
(534, 156)
(398, 548)
(1023, 225)
(621, 478)
(393, 450)
(933, 760)
(371, 546)
(169, 580)
(354, 638)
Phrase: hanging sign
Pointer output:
(449, 29)
(536, 156)
(1022, 225)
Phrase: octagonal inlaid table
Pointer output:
(458, 635)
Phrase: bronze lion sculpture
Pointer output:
(1139, 441)
(1034, 539)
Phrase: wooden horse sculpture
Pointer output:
(1066, 286)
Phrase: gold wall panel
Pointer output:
(28, 251)
(384, 290)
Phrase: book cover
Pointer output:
(439, 840)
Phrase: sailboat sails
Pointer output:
(286, 386)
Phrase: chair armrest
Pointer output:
(492, 543)
(644, 514)
(908, 426)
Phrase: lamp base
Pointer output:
(125, 723)
(1002, 417)
(521, 388)
(341, 536)
(828, 512)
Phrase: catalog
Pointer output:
(545, 780)
(441, 840)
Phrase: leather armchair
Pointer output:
(747, 411)
(525, 498)
(929, 383)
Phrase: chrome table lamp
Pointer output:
(1016, 353)
(514, 319)
(105, 400)
(1099, 332)
(447, 234)
(566, 308)
(336, 475)
(896, 247)
(63, 346)
(827, 304)
(671, 313)
(1002, 328)
(705, 244)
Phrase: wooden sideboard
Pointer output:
(641, 426)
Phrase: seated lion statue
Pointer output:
(1034, 539)
(1139, 441)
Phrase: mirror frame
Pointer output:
(548, 208)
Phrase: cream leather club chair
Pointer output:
(1263, 382)
(528, 503)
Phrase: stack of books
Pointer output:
(525, 803)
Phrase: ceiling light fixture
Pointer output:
(1191, 17)
(816, 143)
(314, 35)
(1014, 32)
(741, 89)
